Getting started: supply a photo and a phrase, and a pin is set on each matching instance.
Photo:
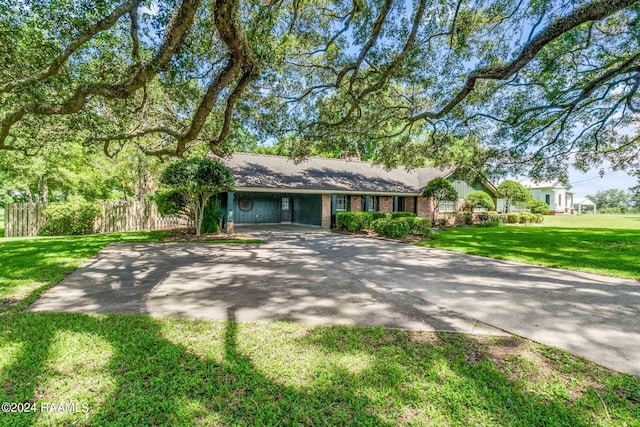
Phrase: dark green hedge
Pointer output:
(353, 221)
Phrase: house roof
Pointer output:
(543, 184)
(583, 201)
(255, 171)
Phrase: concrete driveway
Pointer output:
(318, 277)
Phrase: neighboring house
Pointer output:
(584, 205)
(556, 194)
(275, 189)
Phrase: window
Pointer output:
(371, 203)
(559, 199)
(446, 206)
(401, 204)
(547, 199)
(341, 203)
(285, 203)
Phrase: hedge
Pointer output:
(353, 221)
(69, 218)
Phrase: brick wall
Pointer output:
(409, 204)
(425, 207)
(356, 203)
(326, 210)
(386, 204)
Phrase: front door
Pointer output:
(285, 215)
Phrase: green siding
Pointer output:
(464, 188)
(266, 208)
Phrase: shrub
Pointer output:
(496, 222)
(539, 218)
(479, 199)
(396, 228)
(513, 218)
(170, 202)
(537, 207)
(421, 227)
(442, 222)
(379, 215)
(69, 218)
(353, 221)
(403, 215)
(467, 218)
(211, 217)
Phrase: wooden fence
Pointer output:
(25, 219)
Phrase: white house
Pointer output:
(556, 194)
(584, 205)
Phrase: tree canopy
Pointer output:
(512, 192)
(442, 190)
(518, 84)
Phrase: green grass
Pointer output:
(30, 265)
(613, 249)
(137, 370)
(628, 222)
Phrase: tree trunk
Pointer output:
(43, 189)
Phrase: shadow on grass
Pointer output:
(33, 265)
(158, 381)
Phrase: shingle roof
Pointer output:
(317, 173)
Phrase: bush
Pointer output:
(537, 207)
(379, 215)
(403, 215)
(442, 222)
(496, 222)
(69, 218)
(396, 228)
(170, 202)
(353, 221)
(479, 199)
(421, 227)
(513, 218)
(467, 218)
(211, 217)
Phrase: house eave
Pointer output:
(327, 191)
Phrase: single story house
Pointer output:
(556, 194)
(275, 189)
(584, 205)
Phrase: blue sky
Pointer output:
(584, 184)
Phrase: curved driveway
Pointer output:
(319, 277)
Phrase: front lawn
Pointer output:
(609, 251)
(625, 222)
(30, 265)
(137, 370)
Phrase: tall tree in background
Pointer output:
(612, 198)
(530, 82)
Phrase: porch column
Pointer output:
(230, 227)
(326, 211)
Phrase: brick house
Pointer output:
(276, 190)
